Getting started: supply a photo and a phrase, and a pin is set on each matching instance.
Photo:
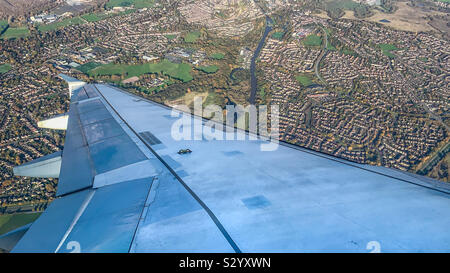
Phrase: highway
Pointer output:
(253, 80)
(321, 55)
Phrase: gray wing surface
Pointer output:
(123, 187)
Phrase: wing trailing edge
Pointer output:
(58, 122)
(48, 166)
(73, 83)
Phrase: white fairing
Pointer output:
(57, 123)
(47, 166)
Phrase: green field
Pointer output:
(191, 37)
(347, 51)
(85, 68)
(343, 4)
(304, 80)
(312, 40)
(278, 35)
(217, 56)
(208, 69)
(94, 17)
(170, 36)
(16, 32)
(3, 25)
(10, 222)
(128, 3)
(387, 48)
(174, 70)
(60, 24)
(5, 68)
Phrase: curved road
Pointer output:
(324, 51)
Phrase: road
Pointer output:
(253, 80)
(433, 160)
(321, 55)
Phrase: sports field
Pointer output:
(94, 17)
(15, 32)
(177, 71)
(85, 68)
(60, 24)
(128, 3)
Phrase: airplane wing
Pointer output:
(124, 187)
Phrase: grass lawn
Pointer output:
(174, 70)
(3, 25)
(191, 37)
(10, 222)
(312, 40)
(60, 24)
(304, 80)
(343, 4)
(128, 3)
(208, 69)
(5, 68)
(330, 46)
(387, 48)
(85, 68)
(348, 52)
(218, 56)
(170, 36)
(94, 17)
(15, 32)
(278, 35)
